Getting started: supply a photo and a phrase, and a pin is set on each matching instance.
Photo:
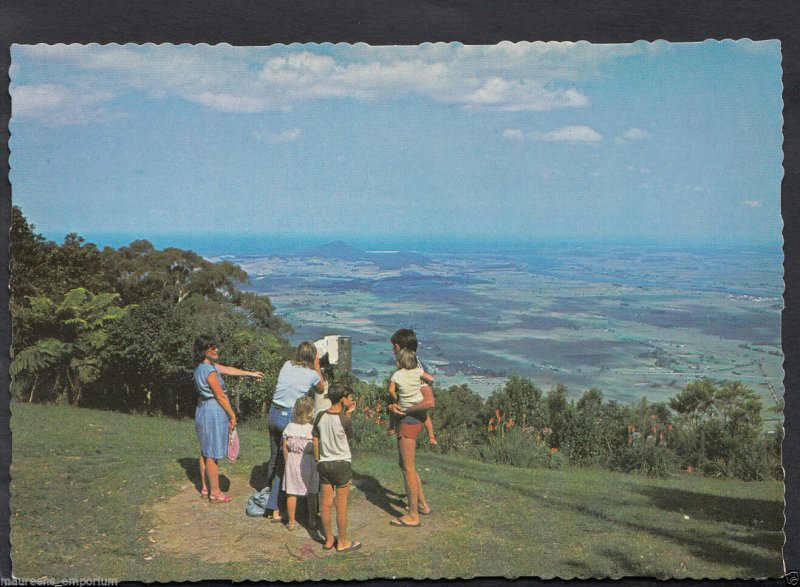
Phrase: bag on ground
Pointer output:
(257, 503)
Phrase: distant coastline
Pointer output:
(245, 245)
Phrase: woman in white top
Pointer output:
(296, 379)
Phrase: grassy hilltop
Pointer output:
(101, 494)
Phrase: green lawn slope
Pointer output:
(100, 494)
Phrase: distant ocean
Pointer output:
(245, 245)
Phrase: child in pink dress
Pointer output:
(300, 476)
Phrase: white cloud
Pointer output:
(751, 203)
(57, 104)
(28, 99)
(635, 134)
(498, 93)
(513, 134)
(570, 134)
(284, 136)
(231, 102)
(632, 134)
(508, 77)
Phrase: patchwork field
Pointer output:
(632, 321)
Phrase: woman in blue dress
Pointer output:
(296, 379)
(214, 417)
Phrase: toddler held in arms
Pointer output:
(405, 338)
(404, 386)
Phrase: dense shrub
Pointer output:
(720, 432)
(521, 401)
(752, 462)
(560, 413)
(370, 430)
(516, 449)
(459, 419)
(558, 460)
(645, 458)
(585, 443)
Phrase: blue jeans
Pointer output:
(279, 418)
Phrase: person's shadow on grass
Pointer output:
(191, 467)
(258, 477)
(378, 495)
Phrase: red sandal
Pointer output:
(219, 498)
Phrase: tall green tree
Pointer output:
(561, 412)
(739, 408)
(460, 418)
(695, 401)
(175, 274)
(586, 442)
(150, 368)
(719, 429)
(520, 400)
(31, 259)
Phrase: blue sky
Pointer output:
(648, 142)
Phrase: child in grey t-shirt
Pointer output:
(332, 431)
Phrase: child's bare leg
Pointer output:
(429, 430)
(341, 516)
(326, 501)
(291, 506)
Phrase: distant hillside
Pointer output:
(335, 250)
(345, 252)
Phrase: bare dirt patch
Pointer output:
(187, 525)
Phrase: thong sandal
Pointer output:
(420, 512)
(402, 523)
(204, 494)
(331, 547)
(219, 498)
(354, 545)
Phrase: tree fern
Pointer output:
(39, 357)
